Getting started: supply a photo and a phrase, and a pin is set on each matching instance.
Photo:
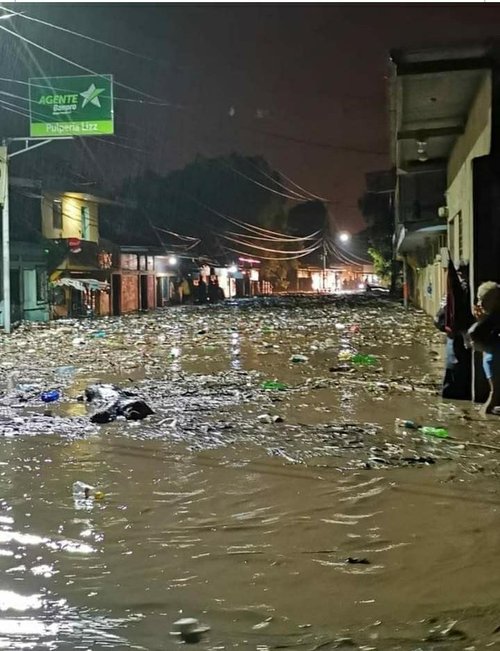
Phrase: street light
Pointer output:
(344, 237)
(233, 269)
(172, 260)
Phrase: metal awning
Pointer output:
(82, 284)
(409, 239)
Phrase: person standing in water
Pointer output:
(485, 337)
(454, 319)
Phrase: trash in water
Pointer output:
(363, 360)
(343, 368)
(83, 491)
(267, 418)
(274, 385)
(99, 334)
(357, 561)
(438, 432)
(407, 424)
(50, 396)
(299, 359)
(65, 371)
(345, 355)
(25, 387)
(189, 630)
(78, 341)
(116, 402)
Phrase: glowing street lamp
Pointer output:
(172, 260)
(344, 237)
(233, 269)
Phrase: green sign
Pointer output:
(71, 106)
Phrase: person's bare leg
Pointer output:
(487, 408)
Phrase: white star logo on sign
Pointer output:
(91, 96)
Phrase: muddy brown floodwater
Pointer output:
(332, 529)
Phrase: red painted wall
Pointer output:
(151, 292)
(130, 293)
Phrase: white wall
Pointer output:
(475, 142)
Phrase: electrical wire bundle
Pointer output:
(262, 239)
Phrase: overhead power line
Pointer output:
(262, 248)
(281, 185)
(76, 65)
(269, 238)
(66, 90)
(311, 194)
(6, 107)
(264, 257)
(265, 187)
(316, 143)
(79, 34)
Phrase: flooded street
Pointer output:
(293, 515)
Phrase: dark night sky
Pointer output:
(307, 81)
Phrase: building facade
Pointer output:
(440, 126)
(28, 283)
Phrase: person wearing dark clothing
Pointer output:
(454, 319)
(202, 291)
(485, 337)
(213, 289)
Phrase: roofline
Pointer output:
(85, 196)
(434, 60)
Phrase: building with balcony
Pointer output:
(440, 104)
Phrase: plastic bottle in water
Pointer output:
(50, 396)
(407, 424)
(83, 491)
(363, 360)
(438, 432)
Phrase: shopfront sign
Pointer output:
(71, 106)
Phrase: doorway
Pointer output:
(144, 292)
(162, 291)
(116, 290)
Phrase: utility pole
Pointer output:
(324, 264)
(405, 283)
(4, 199)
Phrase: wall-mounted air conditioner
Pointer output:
(443, 212)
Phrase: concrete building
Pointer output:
(28, 257)
(28, 283)
(80, 280)
(441, 108)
